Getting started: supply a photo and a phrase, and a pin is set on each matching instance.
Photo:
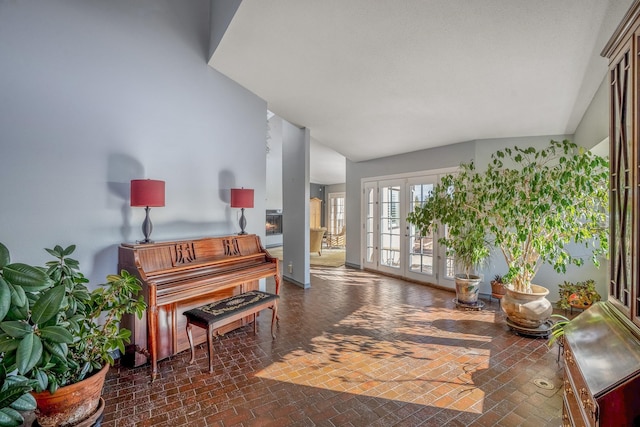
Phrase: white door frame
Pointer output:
(372, 236)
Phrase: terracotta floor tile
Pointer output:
(355, 349)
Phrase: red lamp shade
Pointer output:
(147, 192)
(241, 198)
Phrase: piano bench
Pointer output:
(222, 312)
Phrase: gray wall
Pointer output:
(594, 126)
(319, 191)
(97, 93)
(295, 199)
(274, 164)
(336, 188)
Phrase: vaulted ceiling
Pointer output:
(373, 78)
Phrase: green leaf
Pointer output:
(5, 298)
(18, 296)
(56, 334)
(7, 345)
(59, 349)
(13, 392)
(29, 352)
(42, 380)
(26, 402)
(16, 328)
(48, 305)
(31, 279)
(5, 257)
(69, 250)
(10, 418)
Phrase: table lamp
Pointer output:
(242, 198)
(148, 193)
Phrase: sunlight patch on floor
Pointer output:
(400, 356)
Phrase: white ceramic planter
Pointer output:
(529, 310)
(467, 288)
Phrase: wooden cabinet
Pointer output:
(624, 65)
(602, 369)
(315, 212)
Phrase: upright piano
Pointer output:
(179, 275)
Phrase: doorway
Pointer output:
(393, 246)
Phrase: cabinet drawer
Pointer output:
(571, 413)
(576, 390)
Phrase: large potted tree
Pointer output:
(464, 238)
(533, 203)
(537, 203)
(60, 336)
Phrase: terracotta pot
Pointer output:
(498, 288)
(71, 404)
(467, 288)
(529, 310)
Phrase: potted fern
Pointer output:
(60, 336)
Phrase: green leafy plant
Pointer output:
(532, 203)
(52, 329)
(581, 294)
(465, 239)
(557, 330)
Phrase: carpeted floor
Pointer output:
(330, 257)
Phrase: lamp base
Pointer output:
(147, 227)
(242, 222)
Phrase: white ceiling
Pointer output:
(376, 78)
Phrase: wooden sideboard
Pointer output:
(602, 370)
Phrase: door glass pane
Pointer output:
(450, 265)
(369, 231)
(622, 192)
(390, 226)
(420, 247)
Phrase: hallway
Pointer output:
(356, 349)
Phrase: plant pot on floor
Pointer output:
(529, 310)
(72, 405)
(467, 288)
(498, 288)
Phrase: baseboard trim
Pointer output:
(295, 282)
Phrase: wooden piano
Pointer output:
(180, 275)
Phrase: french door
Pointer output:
(392, 245)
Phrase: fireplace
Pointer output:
(274, 222)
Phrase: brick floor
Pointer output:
(356, 349)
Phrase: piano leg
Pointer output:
(210, 331)
(193, 350)
(255, 324)
(274, 317)
(277, 279)
(152, 325)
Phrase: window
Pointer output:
(336, 213)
